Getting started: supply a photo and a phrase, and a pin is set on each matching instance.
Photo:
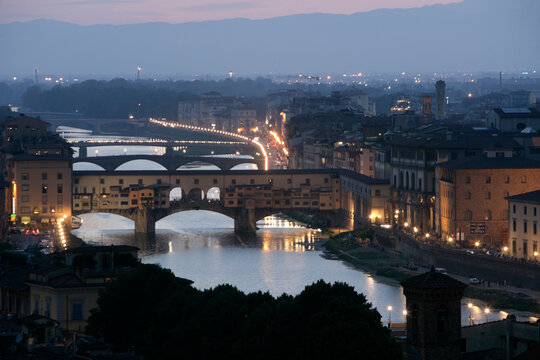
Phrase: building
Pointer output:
(433, 316)
(440, 99)
(523, 235)
(513, 119)
(21, 131)
(500, 340)
(67, 293)
(472, 197)
(522, 98)
(41, 188)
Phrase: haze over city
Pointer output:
(473, 35)
(257, 179)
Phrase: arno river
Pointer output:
(201, 246)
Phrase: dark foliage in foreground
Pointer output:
(164, 317)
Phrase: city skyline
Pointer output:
(121, 12)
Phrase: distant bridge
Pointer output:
(169, 162)
(344, 198)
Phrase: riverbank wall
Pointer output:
(489, 268)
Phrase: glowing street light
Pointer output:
(389, 308)
(486, 311)
(477, 243)
(471, 319)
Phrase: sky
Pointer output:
(89, 12)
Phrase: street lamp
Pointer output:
(486, 310)
(471, 319)
(97, 151)
(389, 308)
(125, 151)
(477, 243)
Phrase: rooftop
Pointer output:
(517, 112)
(95, 249)
(482, 162)
(533, 196)
(432, 280)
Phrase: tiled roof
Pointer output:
(482, 162)
(533, 196)
(432, 280)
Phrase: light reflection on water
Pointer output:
(202, 246)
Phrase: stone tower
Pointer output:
(433, 316)
(440, 99)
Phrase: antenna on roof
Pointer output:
(36, 75)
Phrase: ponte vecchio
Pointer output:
(343, 197)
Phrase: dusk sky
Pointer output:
(87, 12)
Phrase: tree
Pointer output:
(166, 318)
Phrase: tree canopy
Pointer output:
(164, 317)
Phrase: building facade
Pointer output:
(472, 197)
(523, 216)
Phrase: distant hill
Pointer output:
(472, 35)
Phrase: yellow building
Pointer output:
(41, 188)
(67, 293)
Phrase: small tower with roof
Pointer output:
(433, 316)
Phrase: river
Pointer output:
(201, 246)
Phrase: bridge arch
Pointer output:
(195, 194)
(140, 164)
(213, 194)
(245, 166)
(198, 165)
(176, 194)
(86, 166)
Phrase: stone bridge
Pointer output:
(169, 162)
(245, 220)
(342, 197)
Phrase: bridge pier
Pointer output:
(245, 222)
(83, 151)
(145, 224)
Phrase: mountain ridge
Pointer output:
(471, 35)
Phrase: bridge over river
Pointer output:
(344, 198)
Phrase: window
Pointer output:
(468, 180)
(44, 209)
(514, 225)
(59, 188)
(102, 181)
(24, 176)
(134, 202)
(25, 198)
(535, 247)
(442, 318)
(233, 181)
(534, 211)
(514, 209)
(524, 226)
(488, 179)
(59, 176)
(60, 208)
(308, 181)
(214, 181)
(468, 214)
(195, 181)
(467, 195)
(377, 192)
(52, 208)
(525, 248)
(488, 195)
(420, 184)
(525, 210)
(120, 181)
(43, 189)
(524, 179)
(25, 210)
(507, 180)
(77, 311)
(25, 187)
(534, 227)
(326, 180)
(514, 246)
(43, 176)
(289, 181)
(76, 180)
(159, 181)
(488, 215)
(44, 199)
(140, 182)
(252, 181)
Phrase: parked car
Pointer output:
(474, 280)
(441, 270)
